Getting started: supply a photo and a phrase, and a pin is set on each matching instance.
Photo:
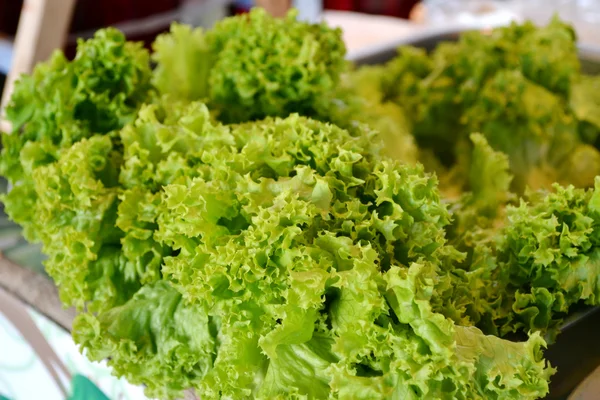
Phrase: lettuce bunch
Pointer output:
(250, 67)
(521, 86)
(528, 261)
(247, 219)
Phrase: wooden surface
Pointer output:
(589, 388)
(35, 290)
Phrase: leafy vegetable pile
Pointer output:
(520, 86)
(248, 220)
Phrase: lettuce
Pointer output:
(286, 253)
(549, 253)
(252, 66)
(539, 251)
(233, 223)
(64, 102)
(155, 334)
(585, 102)
(360, 100)
(520, 86)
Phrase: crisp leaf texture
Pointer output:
(184, 61)
(252, 66)
(64, 102)
(550, 254)
(286, 253)
(360, 101)
(248, 219)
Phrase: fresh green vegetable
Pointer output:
(512, 86)
(63, 102)
(292, 67)
(247, 219)
(549, 252)
(298, 285)
(252, 66)
(360, 100)
(523, 89)
(286, 252)
(539, 253)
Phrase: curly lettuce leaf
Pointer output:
(281, 66)
(281, 257)
(82, 184)
(465, 294)
(153, 335)
(494, 376)
(251, 66)
(478, 213)
(531, 125)
(64, 102)
(549, 255)
(489, 177)
(99, 91)
(164, 133)
(548, 56)
(361, 100)
(184, 60)
(401, 356)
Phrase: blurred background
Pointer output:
(143, 20)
